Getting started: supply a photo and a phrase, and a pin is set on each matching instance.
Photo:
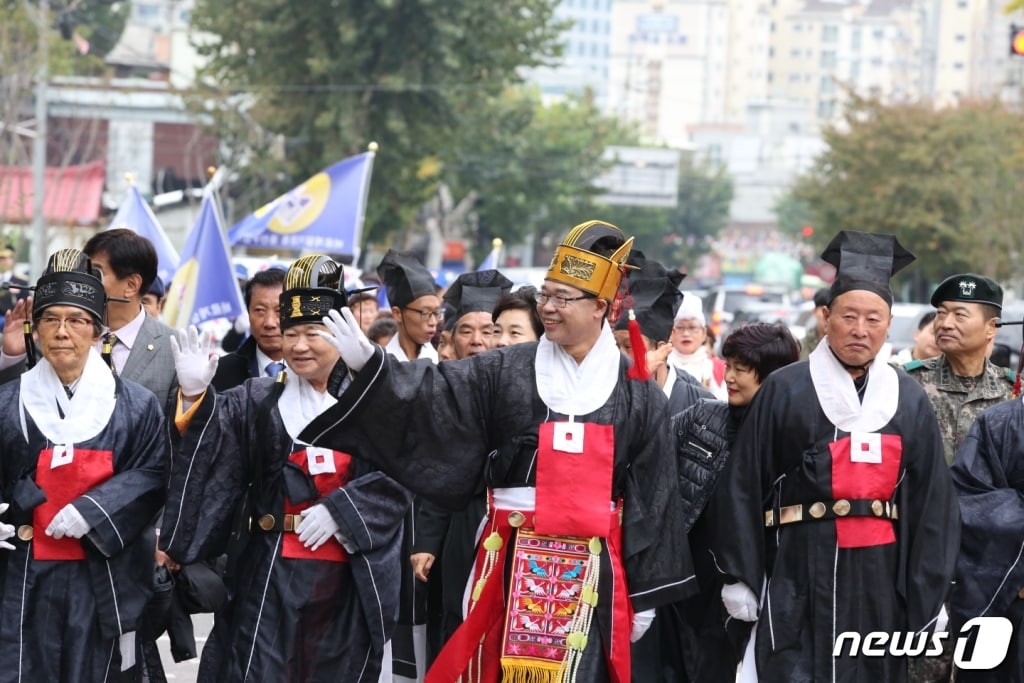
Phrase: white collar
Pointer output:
(263, 360)
(128, 334)
(577, 389)
(670, 380)
(838, 395)
(85, 415)
(300, 403)
(395, 349)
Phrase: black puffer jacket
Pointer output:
(703, 434)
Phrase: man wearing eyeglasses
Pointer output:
(414, 304)
(583, 537)
(82, 477)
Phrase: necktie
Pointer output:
(109, 340)
(68, 391)
(274, 368)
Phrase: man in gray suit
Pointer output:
(141, 345)
(141, 350)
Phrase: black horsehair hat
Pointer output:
(476, 292)
(313, 285)
(656, 297)
(865, 261)
(70, 280)
(405, 278)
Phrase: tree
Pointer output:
(293, 87)
(946, 182)
(532, 167)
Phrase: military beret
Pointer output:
(969, 287)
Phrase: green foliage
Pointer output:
(945, 182)
(328, 76)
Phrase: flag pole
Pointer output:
(371, 150)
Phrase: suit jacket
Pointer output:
(234, 368)
(151, 361)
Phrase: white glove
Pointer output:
(346, 336)
(68, 522)
(242, 323)
(641, 622)
(6, 530)
(316, 527)
(942, 621)
(193, 360)
(740, 602)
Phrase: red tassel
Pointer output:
(636, 341)
(1016, 386)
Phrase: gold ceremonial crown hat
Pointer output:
(592, 258)
(313, 285)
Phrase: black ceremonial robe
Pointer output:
(62, 620)
(988, 473)
(432, 426)
(287, 619)
(817, 590)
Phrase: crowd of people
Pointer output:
(562, 483)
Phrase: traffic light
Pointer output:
(1016, 40)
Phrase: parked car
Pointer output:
(722, 303)
(1010, 336)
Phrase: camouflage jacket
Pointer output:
(809, 341)
(958, 400)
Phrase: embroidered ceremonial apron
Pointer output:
(64, 473)
(555, 534)
(329, 471)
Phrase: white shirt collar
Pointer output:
(395, 349)
(85, 415)
(577, 389)
(263, 360)
(838, 395)
(127, 334)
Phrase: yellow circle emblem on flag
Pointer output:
(300, 207)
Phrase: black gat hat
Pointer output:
(656, 297)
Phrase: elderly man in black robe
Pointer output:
(838, 513)
(313, 535)
(82, 468)
(583, 537)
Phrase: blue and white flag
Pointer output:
(135, 214)
(492, 259)
(204, 288)
(323, 214)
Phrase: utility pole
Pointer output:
(37, 256)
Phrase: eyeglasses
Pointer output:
(51, 323)
(427, 316)
(557, 300)
(691, 329)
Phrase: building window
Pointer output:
(826, 108)
(960, 38)
(798, 27)
(829, 34)
(827, 86)
(958, 66)
(854, 69)
(828, 59)
(855, 39)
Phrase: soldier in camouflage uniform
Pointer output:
(960, 383)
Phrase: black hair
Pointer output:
(520, 300)
(382, 327)
(821, 297)
(764, 347)
(271, 277)
(360, 297)
(128, 253)
(926, 320)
